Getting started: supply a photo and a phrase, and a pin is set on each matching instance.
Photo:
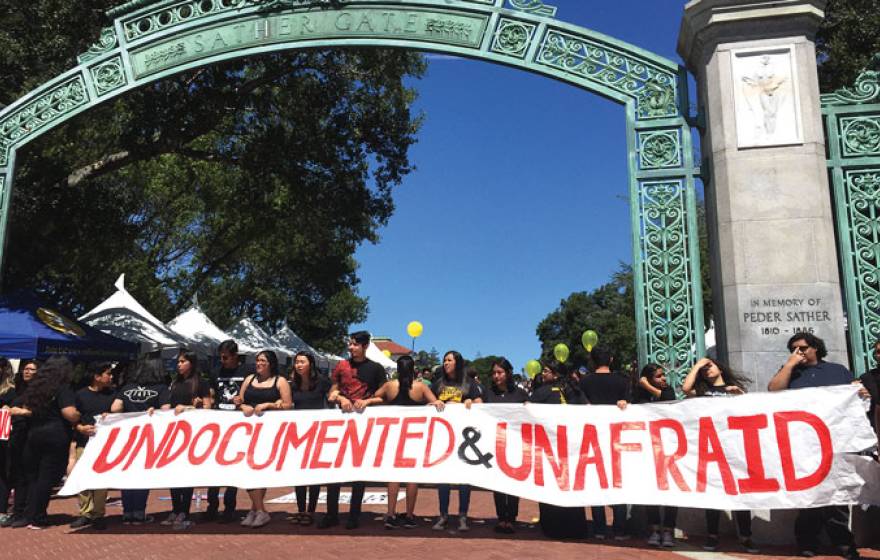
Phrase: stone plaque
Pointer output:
(765, 93)
(434, 26)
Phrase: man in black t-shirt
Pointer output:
(606, 387)
(92, 401)
(230, 367)
(354, 381)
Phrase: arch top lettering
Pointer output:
(152, 39)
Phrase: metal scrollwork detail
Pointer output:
(536, 7)
(866, 89)
(659, 150)
(667, 298)
(860, 136)
(863, 204)
(512, 38)
(106, 43)
(108, 76)
(163, 18)
(40, 112)
(652, 87)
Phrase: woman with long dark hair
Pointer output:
(145, 390)
(404, 391)
(261, 391)
(27, 369)
(652, 387)
(710, 378)
(454, 386)
(7, 395)
(187, 391)
(557, 387)
(49, 406)
(309, 392)
(503, 390)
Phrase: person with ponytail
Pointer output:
(403, 391)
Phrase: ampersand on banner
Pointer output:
(471, 437)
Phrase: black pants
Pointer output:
(181, 498)
(670, 514)
(5, 482)
(743, 522)
(619, 523)
(313, 492)
(357, 496)
(809, 523)
(506, 506)
(228, 498)
(17, 479)
(44, 461)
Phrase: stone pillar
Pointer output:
(773, 254)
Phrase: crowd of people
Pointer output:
(52, 424)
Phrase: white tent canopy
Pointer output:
(194, 325)
(373, 353)
(122, 316)
(247, 332)
(290, 340)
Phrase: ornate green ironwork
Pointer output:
(150, 40)
(852, 124)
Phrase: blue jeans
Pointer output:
(464, 498)
(134, 502)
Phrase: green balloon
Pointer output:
(533, 368)
(560, 352)
(589, 339)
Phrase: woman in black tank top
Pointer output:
(262, 391)
(403, 391)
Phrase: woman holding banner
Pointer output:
(454, 387)
(7, 393)
(262, 391)
(558, 388)
(27, 369)
(503, 391)
(309, 392)
(709, 378)
(187, 391)
(403, 391)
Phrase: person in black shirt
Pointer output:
(230, 368)
(354, 381)
(49, 406)
(92, 401)
(144, 392)
(7, 394)
(652, 387)
(404, 391)
(309, 392)
(504, 391)
(557, 388)
(187, 391)
(606, 387)
(871, 383)
(27, 369)
(454, 386)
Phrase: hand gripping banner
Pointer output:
(760, 451)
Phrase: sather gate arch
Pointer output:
(153, 39)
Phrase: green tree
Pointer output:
(608, 310)
(846, 41)
(483, 367)
(427, 359)
(249, 183)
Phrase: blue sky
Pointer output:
(519, 197)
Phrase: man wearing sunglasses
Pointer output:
(805, 367)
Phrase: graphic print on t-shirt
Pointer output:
(450, 393)
(140, 394)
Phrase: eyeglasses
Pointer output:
(801, 348)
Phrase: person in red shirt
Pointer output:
(355, 380)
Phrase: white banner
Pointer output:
(759, 451)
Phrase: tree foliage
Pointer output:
(248, 183)
(847, 40)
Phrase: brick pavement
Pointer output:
(370, 542)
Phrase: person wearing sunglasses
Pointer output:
(806, 367)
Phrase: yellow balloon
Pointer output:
(387, 353)
(414, 329)
(560, 352)
(589, 339)
(533, 368)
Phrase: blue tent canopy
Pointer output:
(30, 329)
